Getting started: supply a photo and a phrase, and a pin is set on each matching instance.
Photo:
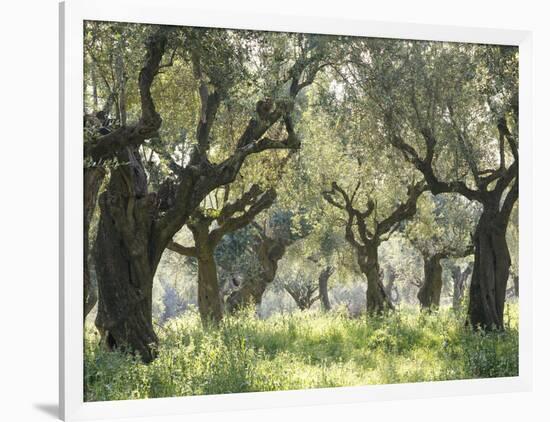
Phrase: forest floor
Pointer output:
(302, 350)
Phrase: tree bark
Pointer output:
(323, 287)
(93, 177)
(209, 297)
(126, 260)
(377, 299)
(491, 270)
(429, 293)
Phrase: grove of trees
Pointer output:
(290, 172)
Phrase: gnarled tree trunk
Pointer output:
(429, 293)
(491, 270)
(323, 287)
(126, 259)
(209, 297)
(377, 299)
(210, 303)
(248, 206)
(252, 289)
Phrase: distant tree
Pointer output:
(232, 217)
(368, 239)
(303, 290)
(271, 242)
(324, 276)
(460, 277)
(441, 229)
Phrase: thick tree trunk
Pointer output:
(209, 297)
(210, 303)
(323, 287)
(429, 293)
(377, 300)
(491, 271)
(93, 177)
(126, 260)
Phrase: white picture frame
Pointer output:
(72, 15)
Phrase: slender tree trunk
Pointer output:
(323, 287)
(515, 279)
(429, 293)
(391, 288)
(377, 300)
(93, 177)
(459, 283)
(491, 270)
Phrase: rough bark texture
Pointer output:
(377, 299)
(323, 287)
(491, 270)
(126, 260)
(93, 177)
(209, 298)
(429, 293)
(126, 253)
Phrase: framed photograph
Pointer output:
(266, 210)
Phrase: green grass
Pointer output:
(302, 350)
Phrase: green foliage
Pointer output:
(302, 350)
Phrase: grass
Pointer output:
(302, 350)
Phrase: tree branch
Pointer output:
(108, 145)
(231, 224)
(403, 211)
(182, 250)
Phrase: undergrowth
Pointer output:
(302, 350)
